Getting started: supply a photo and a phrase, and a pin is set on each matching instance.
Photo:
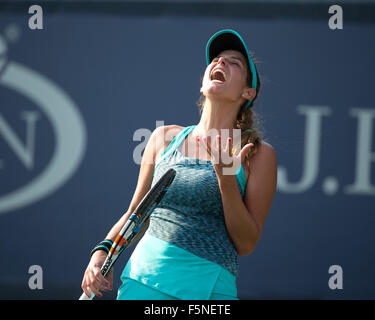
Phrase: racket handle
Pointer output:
(84, 297)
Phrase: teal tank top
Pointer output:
(186, 251)
(191, 215)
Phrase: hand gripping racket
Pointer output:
(135, 223)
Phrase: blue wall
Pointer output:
(82, 87)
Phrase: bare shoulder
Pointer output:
(171, 131)
(164, 135)
(264, 157)
(266, 148)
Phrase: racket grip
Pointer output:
(84, 297)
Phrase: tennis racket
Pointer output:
(135, 223)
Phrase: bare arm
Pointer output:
(245, 219)
(158, 141)
(93, 279)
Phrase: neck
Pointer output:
(216, 115)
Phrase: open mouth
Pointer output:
(218, 75)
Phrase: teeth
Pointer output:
(218, 70)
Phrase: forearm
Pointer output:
(112, 234)
(240, 224)
(118, 226)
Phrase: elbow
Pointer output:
(246, 250)
(248, 247)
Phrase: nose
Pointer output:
(221, 61)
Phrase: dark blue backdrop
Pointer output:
(119, 74)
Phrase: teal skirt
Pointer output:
(159, 270)
(135, 290)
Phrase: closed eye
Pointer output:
(217, 59)
(232, 60)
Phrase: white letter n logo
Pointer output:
(24, 151)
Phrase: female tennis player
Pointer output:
(210, 215)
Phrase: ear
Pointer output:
(249, 93)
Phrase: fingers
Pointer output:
(86, 290)
(91, 285)
(219, 153)
(229, 146)
(109, 278)
(103, 282)
(245, 150)
(206, 144)
(227, 154)
(213, 149)
(95, 282)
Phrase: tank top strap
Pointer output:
(175, 143)
(241, 178)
